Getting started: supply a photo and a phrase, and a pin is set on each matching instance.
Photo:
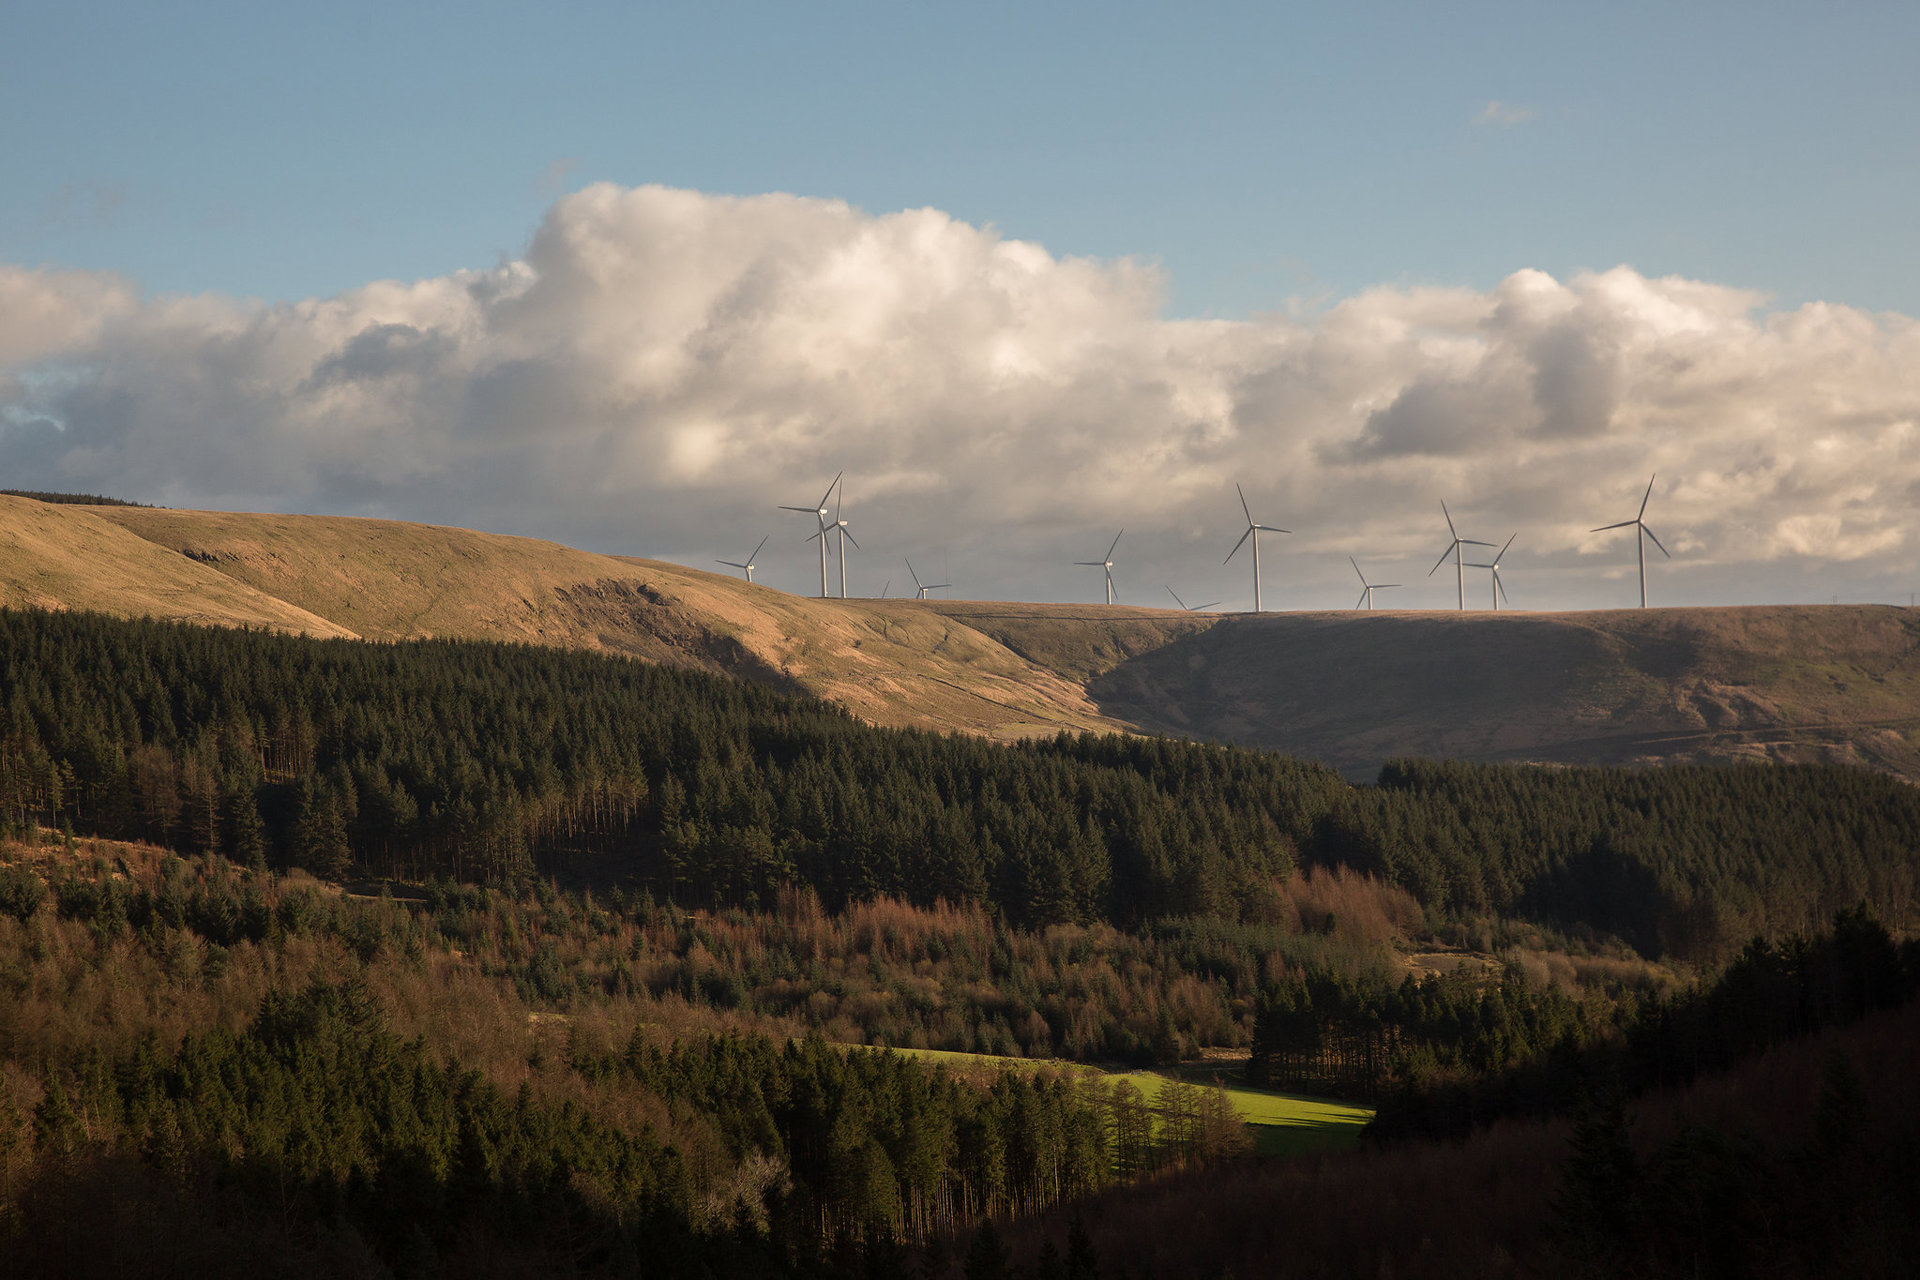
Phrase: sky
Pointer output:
(631, 278)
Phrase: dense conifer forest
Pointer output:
(487, 762)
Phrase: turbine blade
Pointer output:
(1382, 586)
(1356, 569)
(756, 550)
(938, 586)
(1474, 542)
(1501, 587)
(1268, 528)
(1208, 605)
(1624, 524)
(1656, 542)
(812, 511)
(1176, 597)
(1116, 542)
(731, 564)
(1243, 503)
(1364, 593)
(1236, 546)
(1503, 549)
(1647, 497)
(848, 535)
(1449, 515)
(830, 489)
(1092, 564)
(1443, 558)
(916, 577)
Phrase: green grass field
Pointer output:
(1284, 1124)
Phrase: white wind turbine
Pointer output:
(1453, 549)
(747, 567)
(1641, 534)
(1106, 565)
(846, 536)
(1190, 608)
(1499, 587)
(819, 513)
(923, 587)
(1254, 530)
(1367, 588)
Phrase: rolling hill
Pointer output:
(1353, 689)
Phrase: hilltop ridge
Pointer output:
(1620, 686)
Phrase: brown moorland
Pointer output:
(1789, 682)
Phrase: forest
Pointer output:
(495, 763)
(450, 957)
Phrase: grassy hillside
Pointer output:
(1781, 682)
(894, 662)
(70, 557)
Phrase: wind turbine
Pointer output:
(1499, 587)
(923, 587)
(748, 566)
(846, 536)
(1106, 564)
(1190, 608)
(819, 513)
(1367, 588)
(1459, 572)
(1254, 530)
(1641, 534)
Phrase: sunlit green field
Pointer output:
(1283, 1123)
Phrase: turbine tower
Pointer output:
(748, 566)
(1106, 565)
(1641, 533)
(1254, 530)
(1499, 587)
(819, 513)
(1453, 549)
(1367, 588)
(1190, 608)
(923, 587)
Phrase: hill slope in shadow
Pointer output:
(1837, 683)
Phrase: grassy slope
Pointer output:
(70, 557)
(1284, 1123)
(1790, 682)
(891, 661)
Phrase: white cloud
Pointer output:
(1505, 115)
(663, 367)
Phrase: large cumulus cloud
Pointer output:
(663, 367)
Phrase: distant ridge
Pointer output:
(1838, 683)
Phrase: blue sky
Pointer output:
(1259, 153)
